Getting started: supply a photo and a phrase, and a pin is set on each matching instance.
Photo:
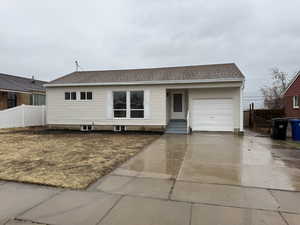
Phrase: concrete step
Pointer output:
(176, 132)
(177, 126)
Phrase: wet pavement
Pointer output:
(198, 179)
(219, 159)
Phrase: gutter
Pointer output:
(148, 82)
(23, 92)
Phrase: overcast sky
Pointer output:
(44, 37)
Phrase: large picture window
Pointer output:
(120, 104)
(137, 104)
(128, 104)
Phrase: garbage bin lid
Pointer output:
(295, 120)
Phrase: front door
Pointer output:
(178, 105)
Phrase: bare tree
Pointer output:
(273, 94)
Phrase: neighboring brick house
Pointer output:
(16, 91)
(291, 98)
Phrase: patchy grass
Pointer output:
(71, 160)
(293, 144)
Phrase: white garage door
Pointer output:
(212, 115)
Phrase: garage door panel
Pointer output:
(212, 114)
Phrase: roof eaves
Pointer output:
(291, 83)
(219, 80)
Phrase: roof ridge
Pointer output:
(8, 75)
(152, 68)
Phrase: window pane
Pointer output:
(137, 114)
(41, 99)
(177, 102)
(119, 113)
(119, 100)
(296, 101)
(67, 96)
(73, 95)
(137, 99)
(82, 95)
(11, 100)
(89, 95)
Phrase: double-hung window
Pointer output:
(128, 104)
(86, 95)
(136, 104)
(120, 104)
(70, 95)
(296, 102)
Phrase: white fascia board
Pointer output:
(23, 92)
(291, 83)
(147, 82)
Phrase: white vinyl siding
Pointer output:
(100, 110)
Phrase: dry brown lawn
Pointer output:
(65, 159)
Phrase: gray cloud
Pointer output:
(44, 38)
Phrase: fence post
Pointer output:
(23, 115)
(43, 115)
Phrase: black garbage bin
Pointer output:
(279, 127)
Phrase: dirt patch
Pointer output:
(71, 160)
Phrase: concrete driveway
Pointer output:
(203, 178)
(248, 161)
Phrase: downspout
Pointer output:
(242, 108)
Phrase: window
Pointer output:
(89, 95)
(119, 128)
(137, 104)
(177, 103)
(11, 99)
(70, 95)
(37, 99)
(128, 104)
(73, 95)
(120, 104)
(67, 96)
(296, 102)
(82, 95)
(86, 95)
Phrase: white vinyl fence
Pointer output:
(23, 116)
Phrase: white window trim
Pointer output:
(295, 106)
(128, 109)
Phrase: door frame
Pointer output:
(178, 115)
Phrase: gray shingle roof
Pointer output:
(202, 72)
(14, 83)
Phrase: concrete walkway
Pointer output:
(186, 180)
